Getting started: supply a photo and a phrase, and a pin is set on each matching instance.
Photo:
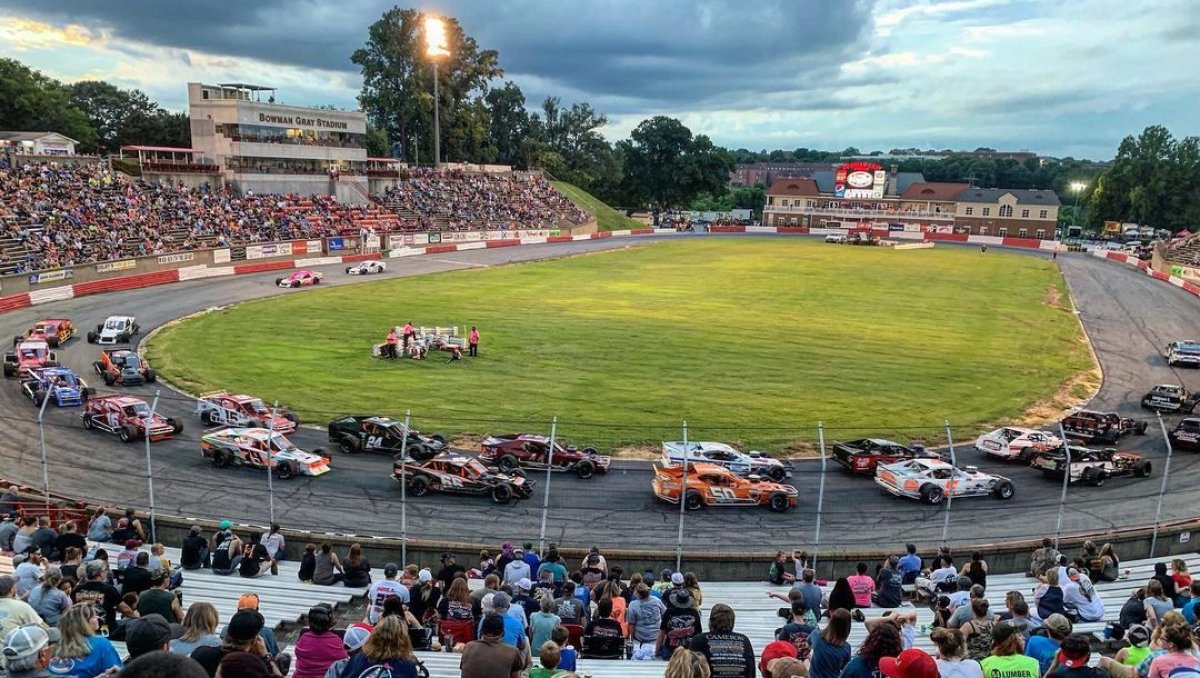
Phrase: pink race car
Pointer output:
(301, 278)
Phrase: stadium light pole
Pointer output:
(42, 440)
(403, 490)
(270, 480)
(436, 48)
(682, 502)
(149, 468)
(1076, 188)
(949, 495)
(546, 492)
(1062, 500)
(1162, 490)
(820, 495)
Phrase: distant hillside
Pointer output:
(607, 218)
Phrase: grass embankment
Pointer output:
(607, 218)
(750, 341)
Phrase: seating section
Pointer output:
(1185, 251)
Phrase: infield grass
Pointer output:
(750, 341)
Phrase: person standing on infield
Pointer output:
(473, 343)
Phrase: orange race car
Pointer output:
(712, 485)
(53, 331)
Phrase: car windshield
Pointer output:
(475, 467)
(256, 406)
(279, 443)
(138, 410)
(130, 361)
(32, 353)
(65, 380)
(43, 329)
(1188, 347)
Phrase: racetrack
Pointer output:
(1129, 317)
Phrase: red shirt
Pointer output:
(862, 586)
(408, 329)
(474, 336)
(391, 337)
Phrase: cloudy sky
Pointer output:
(1067, 77)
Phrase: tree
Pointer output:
(666, 167)
(397, 91)
(32, 102)
(1154, 180)
(509, 122)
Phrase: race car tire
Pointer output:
(508, 463)
(1092, 476)
(92, 337)
(519, 473)
(439, 438)
(207, 418)
(10, 370)
(127, 434)
(316, 281)
(692, 501)
(779, 502)
(108, 379)
(279, 282)
(350, 444)
(932, 495)
(1139, 427)
(419, 487)
(221, 458)
(348, 269)
(286, 470)
(151, 377)
(52, 341)
(292, 417)
(585, 469)
(421, 452)
(176, 425)
(777, 474)
(502, 494)
(88, 392)
(88, 422)
(1004, 490)
(1143, 470)
(590, 450)
(39, 397)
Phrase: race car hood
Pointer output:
(310, 464)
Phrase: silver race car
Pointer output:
(741, 463)
(932, 480)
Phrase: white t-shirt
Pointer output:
(939, 576)
(27, 575)
(379, 592)
(272, 542)
(958, 598)
(960, 668)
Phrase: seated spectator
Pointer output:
(242, 635)
(720, 644)
(327, 569)
(1072, 660)
(81, 650)
(69, 536)
(861, 585)
(273, 541)
(248, 602)
(481, 658)
(101, 595)
(158, 600)
(160, 664)
(318, 647)
(542, 623)
(357, 572)
(424, 597)
(567, 654)
(137, 577)
(680, 623)
(199, 629)
(604, 637)
(830, 651)
(308, 563)
(195, 553)
(29, 573)
(1080, 596)
(952, 660)
(883, 640)
(1110, 564)
(47, 599)
(100, 526)
(72, 561)
(1006, 658)
(1049, 597)
(550, 656)
(778, 572)
(227, 553)
(889, 586)
(14, 612)
(23, 539)
(254, 555)
(151, 633)
(28, 651)
(1157, 603)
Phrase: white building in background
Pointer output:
(37, 143)
(266, 147)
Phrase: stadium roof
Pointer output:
(1024, 196)
(794, 186)
(31, 136)
(162, 149)
(242, 85)
(933, 190)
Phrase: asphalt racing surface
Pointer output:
(1129, 317)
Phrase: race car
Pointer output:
(1091, 467)
(371, 433)
(713, 485)
(1013, 442)
(367, 267)
(117, 329)
(59, 384)
(529, 450)
(129, 418)
(123, 366)
(1186, 435)
(741, 463)
(300, 278)
(932, 480)
(261, 448)
(1101, 427)
(453, 473)
(863, 455)
(28, 355)
(1184, 353)
(1170, 398)
(54, 331)
(225, 408)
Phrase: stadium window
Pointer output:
(983, 230)
(987, 211)
(970, 211)
(1043, 214)
(1041, 233)
(1024, 214)
(1003, 233)
(1024, 233)
(783, 203)
(1006, 210)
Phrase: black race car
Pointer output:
(1088, 466)
(863, 455)
(461, 474)
(1186, 435)
(1101, 427)
(370, 433)
(1170, 398)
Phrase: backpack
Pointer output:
(1184, 672)
(361, 667)
(979, 643)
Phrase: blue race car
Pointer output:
(60, 384)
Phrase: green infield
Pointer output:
(607, 218)
(750, 341)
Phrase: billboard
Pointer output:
(859, 181)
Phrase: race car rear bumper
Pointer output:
(895, 491)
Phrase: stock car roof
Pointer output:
(1020, 429)
(381, 421)
(52, 321)
(925, 464)
(452, 458)
(1168, 388)
(1189, 422)
(303, 271)
(696, 469)
(33, 343)
(1188, 344)
(241, 432)
(120, 400)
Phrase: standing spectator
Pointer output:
(318, 647)
(728, 653)
(680, 623)
(1006, 659)
(542, 623)
(490, 656)
(644, 617)
(952, 660)
(82, 652)
(861, 585)
(199, 629)
(48, 600)
(14, 612)
(158, 600)
(327, 569)
(830, 651)
(28, 651)
(100, 526)
(358, 568)
(450, 570)
(473, 343)
(380, 591)
(254, 555)
(194, 554)
(883, 640)
(308, 563)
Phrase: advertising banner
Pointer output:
(177, 258)
(111, 266)
(435, 238)
(371, 242)
(1188, 273)
(220, 256)
(264, 251)
(464, 236)
(51, 276)
(237, 253)
(859, 181)
(896, 227)
(300, 247)
(335, 244)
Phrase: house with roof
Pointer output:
(37, 143)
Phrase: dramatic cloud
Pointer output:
(1070, 77)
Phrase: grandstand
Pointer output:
(1183, 251)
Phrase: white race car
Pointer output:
(1014, 443)
(1185, 353)
(118, 329)
(261, 448)
(367, 267)
(741, 463)
(932, 480)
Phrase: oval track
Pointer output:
(1128, 316)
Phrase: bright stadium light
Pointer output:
(1078, 186)
(436, 47)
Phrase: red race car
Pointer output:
(223, 407)
(862, 455)
(54, 331)
(28, 354)
(528, 450)
(129, 418)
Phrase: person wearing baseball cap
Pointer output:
(776, 649)
(1006, 659)
(450, 570)
(149, 634)
(1139, 648)
(490, 655)
(27, 651)
(425, 595)
(1044, 648)
(353, 639)
(514, 628)
(249, 602)
(242, 635)
(1072, 659)
(911, 663)
(380, 591)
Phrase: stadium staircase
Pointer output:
(1186, 253)
(285, 600)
